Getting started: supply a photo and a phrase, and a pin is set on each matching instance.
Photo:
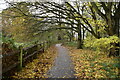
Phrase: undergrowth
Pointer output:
(92, 64)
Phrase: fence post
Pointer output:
(48, 44)
(21, 57)
(43, 46)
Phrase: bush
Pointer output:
(102, 44)
(8, 45)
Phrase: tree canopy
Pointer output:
(98, 19)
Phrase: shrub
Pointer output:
(8, 45)
(102, 44)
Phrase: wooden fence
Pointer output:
(12, 60)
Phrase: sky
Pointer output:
(3, 4)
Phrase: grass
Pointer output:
(71, 44)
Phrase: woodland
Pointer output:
(90, 31)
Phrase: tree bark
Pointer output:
(79, 36)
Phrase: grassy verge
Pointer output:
(38, 67)
(91, 64)
(71, 44)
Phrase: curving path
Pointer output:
(63, 67)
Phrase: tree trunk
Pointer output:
(79, 37)
(72, 33)
(115, 51)
(83, 33)
(117, 23)
(70, 39)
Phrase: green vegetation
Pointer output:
(92, 64)
(102, 44)
(8, 45)
(84, 25)
(71, 44)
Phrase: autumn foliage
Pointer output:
(91, 64)
(38, 67)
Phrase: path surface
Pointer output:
(63, 67)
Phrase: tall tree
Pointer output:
(70, 14)
(111, 15)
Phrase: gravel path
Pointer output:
(63, 67)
